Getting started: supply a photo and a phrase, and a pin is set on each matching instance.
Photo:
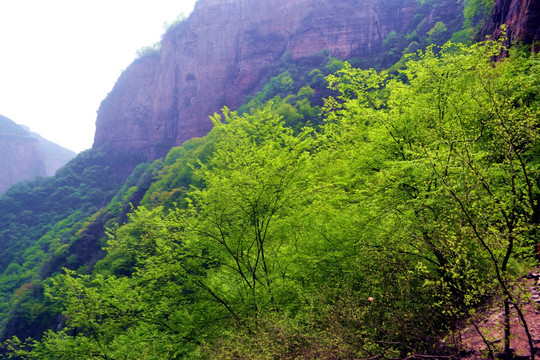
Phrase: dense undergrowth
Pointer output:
(414, 201)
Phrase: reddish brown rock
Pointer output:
(223, 50)
(522, 19)
(219, 55)
(124, 116)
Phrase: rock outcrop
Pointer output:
(522, 19)
(220, 54)
(224, 49)
(25, 155)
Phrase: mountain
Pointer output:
(338, 241)
(25, 155)
(224, 52)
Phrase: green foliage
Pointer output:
(473, 10)
(463, 148)
(39, 224)
(177, 174)
(464, 36)
(433, 23)
(414, 203)
(289, 76)
(297, 92)
(437, 34)
(475, 13)
(149, 50)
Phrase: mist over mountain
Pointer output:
(25, 155)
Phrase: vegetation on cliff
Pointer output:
(44, 224)
(414, 202)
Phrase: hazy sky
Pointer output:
(60, 58)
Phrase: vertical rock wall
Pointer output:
(219, 55)
(522, 19)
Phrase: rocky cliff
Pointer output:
(25, 155)
(224, 49)
(220, 54)
(522, 19)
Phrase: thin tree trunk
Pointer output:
(507, 350)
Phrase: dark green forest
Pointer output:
(58, 211)
(344, 211)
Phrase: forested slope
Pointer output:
(411, 205)
(43, 221)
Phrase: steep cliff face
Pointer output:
(219, 55)
(24, 155)
(522, 19)
(223, 50)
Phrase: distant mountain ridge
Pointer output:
(25, 155)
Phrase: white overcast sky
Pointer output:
(60, 58)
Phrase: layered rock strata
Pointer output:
(220, 54)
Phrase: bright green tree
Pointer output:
(460, 139)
